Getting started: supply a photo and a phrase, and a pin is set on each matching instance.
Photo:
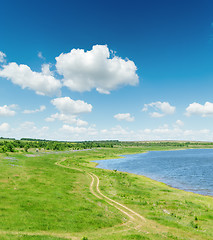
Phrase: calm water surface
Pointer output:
(190, 170)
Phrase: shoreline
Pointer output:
(150, 178)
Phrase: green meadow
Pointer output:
(43, 200)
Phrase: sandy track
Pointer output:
(97, 193)
(129, 212)
(91, 188)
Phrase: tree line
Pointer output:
(24, 144)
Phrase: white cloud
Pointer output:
(41, 109)
(124, 116)
(69, 109)
(147, 130)
(193, 133)
(43, 83)
(68, 106)
(198, 109)
(83, 71)
(164, 132)
(104, 131)
(27, 125)
(71, 129)
(30, 130)
(174, 133)
(82, 133)
(116, 132)
(45, 68)
(70, 119)
(100, 90)
(156, 114)
(2, 57)
(40, 55)
(50, 119)
(6, 111)
(91, 133)
(4, 127)
(179, 123)
(162, 129)
(79, 131)
(161, 109)
(80, 122)
(25, 129)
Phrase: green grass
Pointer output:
(37, 195)
(26, 237)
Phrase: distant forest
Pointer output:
(26, 144)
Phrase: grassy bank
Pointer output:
(41, 200)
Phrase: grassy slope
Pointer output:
(37, 195)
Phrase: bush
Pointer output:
(194, 225)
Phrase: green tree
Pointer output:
(26, 147)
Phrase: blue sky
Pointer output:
(127, 70)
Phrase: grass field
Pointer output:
(43, 200)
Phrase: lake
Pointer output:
(189, 170)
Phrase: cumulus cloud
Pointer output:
(30, 130)
(6, 111)
(193, 132)
(163, 132)
(43, 83)
(2, 57)
(45, 68)
(70, 119)
(25, 129)
(69, 110)
(66, 105)
(104, 131)
(83, 71)
(72, 129)
(41, 109)
(161, 109)
(179, 123)
(176, 133)
(199, 109)
(124, 116)
(91, 133)
(79, 130)
(156, 114)
(4, 127)
(117, 132)
(162, 129)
